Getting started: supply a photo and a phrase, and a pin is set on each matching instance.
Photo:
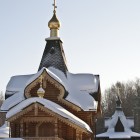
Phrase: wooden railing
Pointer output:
(42, 138)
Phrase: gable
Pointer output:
(73, 89)
(51, 91)
(54, 90)
(26, 107)
(49, 84)
(32, 113)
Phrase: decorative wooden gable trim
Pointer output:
(19, 114)
(37, 106)
(46, 77)
(60, 87)
(64, 120)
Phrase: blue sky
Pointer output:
(99, 36)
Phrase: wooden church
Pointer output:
(119, 127)
(52, 104)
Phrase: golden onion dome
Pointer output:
(54, 22)
(41, 92)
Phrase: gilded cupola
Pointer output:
(41, 91)
(54, 23)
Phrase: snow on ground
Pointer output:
(4, 131)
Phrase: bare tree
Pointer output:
(127, 92)
(1, 98)
(2, 115)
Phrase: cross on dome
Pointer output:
(54, 23)
(41, 91)
(54, 5)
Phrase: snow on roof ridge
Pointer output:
(78, 86)
(50, 105)
(18, 81)
(127, 123)
(111, 122)
(35, 76)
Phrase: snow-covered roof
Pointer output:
(51, 106)
(4, 131)
(17, 83)
(78, 86)
(118, 135)
(111, 122)
(130, 122)
(12, 101)
(127, 123)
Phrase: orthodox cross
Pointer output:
(54, 5)
(41, 80)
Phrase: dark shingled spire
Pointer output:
(54, 56)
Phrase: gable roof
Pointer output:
(118, 115)
(51, 106)
(78, 86)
